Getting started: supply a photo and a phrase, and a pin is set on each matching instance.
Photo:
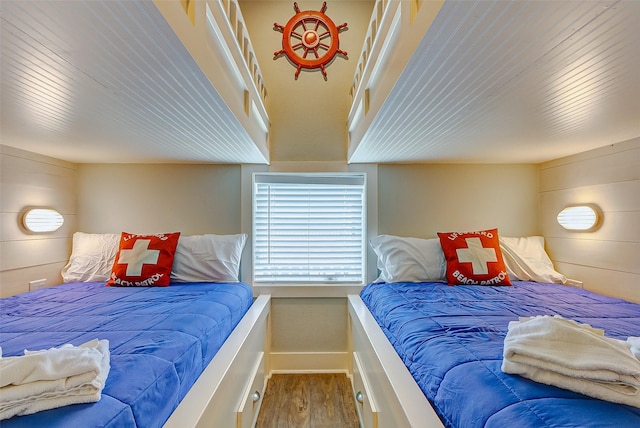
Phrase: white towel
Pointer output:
(634, 345)
(55, 377)
(561, 352)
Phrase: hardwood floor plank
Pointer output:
(308, 401)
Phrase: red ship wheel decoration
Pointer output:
(310, 39)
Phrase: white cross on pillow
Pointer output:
(477, 255)
(138, 256)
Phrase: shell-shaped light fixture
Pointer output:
(583, 218)
(42, 220)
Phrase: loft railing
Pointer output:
(236, 25)
(381, 6)
(379, 40)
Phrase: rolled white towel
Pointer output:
(51, 364)
(563, 353)
(55, 377)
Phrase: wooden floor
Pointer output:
(308, 400)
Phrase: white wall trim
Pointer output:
(309, 362)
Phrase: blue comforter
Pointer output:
(451, 339)
(160, 339)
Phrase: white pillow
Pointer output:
(92, 257)
(409, 259)
(202, 258)
(526, 260)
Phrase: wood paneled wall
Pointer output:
(608, 259)
(415, 200)
(31, 180)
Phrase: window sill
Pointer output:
(307, 290)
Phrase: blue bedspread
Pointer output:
(160, 339)
(451, 339)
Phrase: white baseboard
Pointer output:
(309, 362)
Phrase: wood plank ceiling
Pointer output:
(108, 81)
(492, 81)
(521, 81)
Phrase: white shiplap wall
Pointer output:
(27, 180)
(608, 259)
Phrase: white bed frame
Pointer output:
(229, 391)
(385, 392)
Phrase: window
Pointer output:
(308, 228)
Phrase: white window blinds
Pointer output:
(308, 228)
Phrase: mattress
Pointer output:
(160, 340)
(451, 340)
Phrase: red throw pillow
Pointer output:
(144, 260)
(474, 258)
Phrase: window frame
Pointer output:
(301, 178)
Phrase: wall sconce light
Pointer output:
(585, 218)
(41, 220)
